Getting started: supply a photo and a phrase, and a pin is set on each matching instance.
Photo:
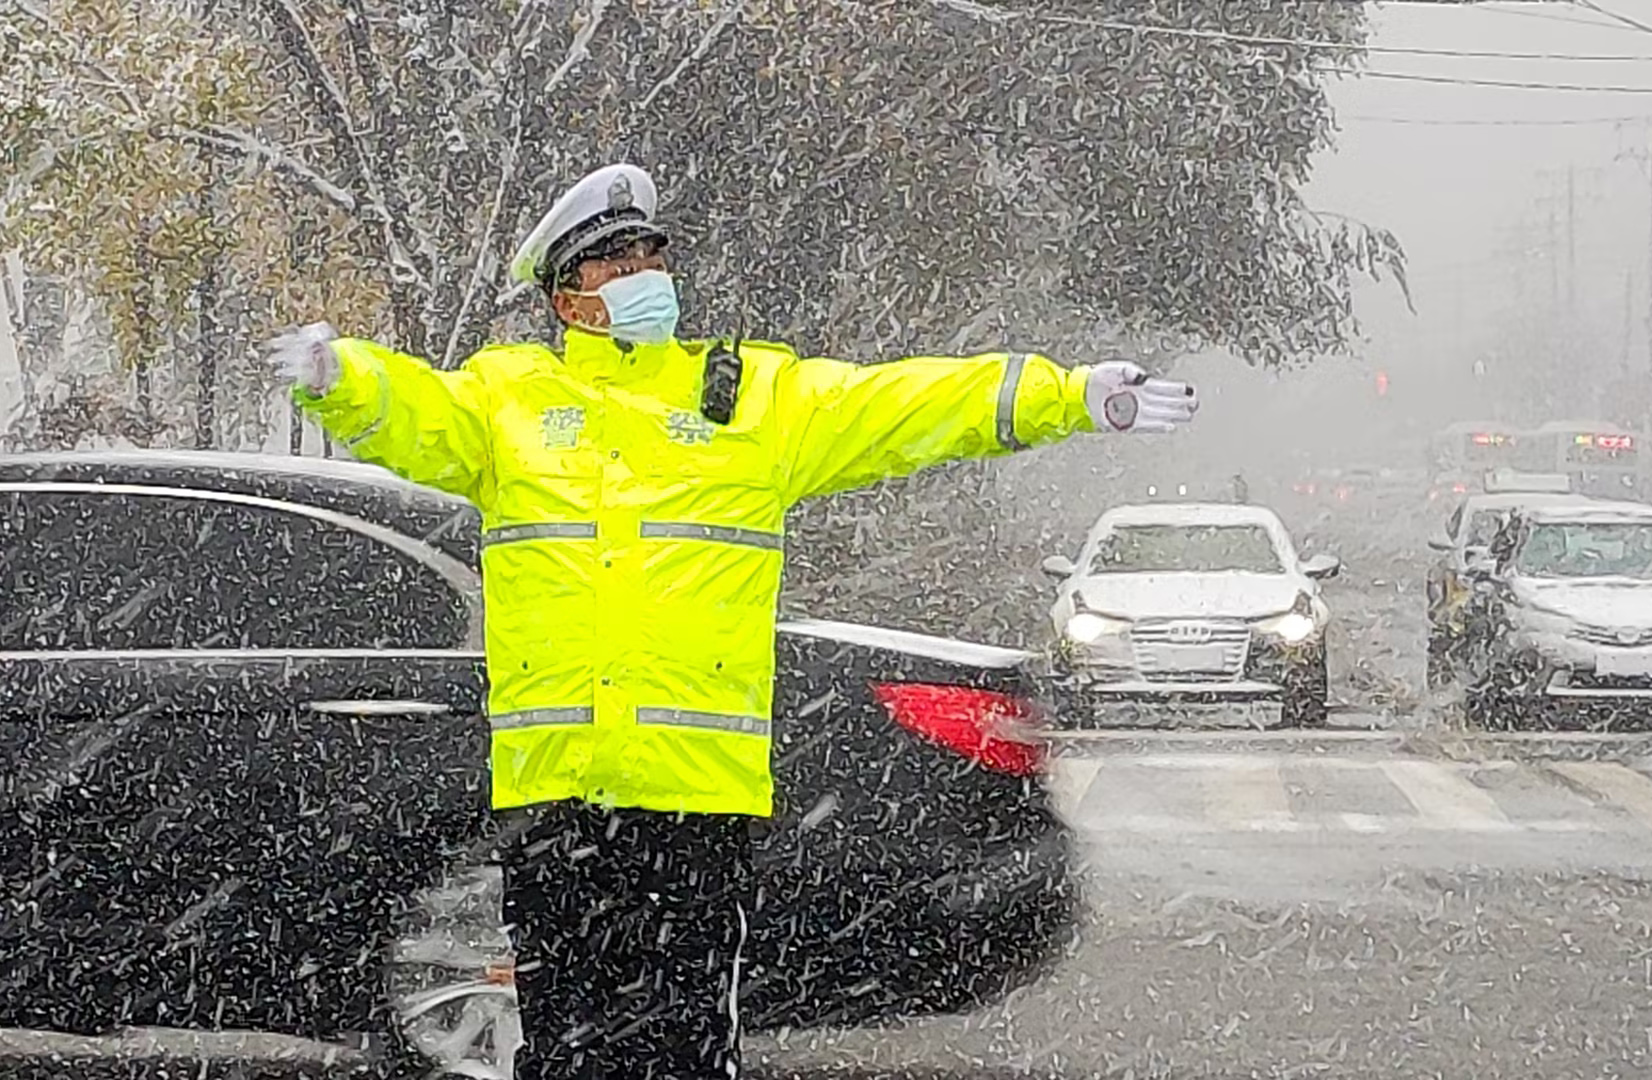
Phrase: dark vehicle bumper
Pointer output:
(972, 932)
(1531, 691)
(978, 925)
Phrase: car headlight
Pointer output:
(1293, 627)
(1087, 627)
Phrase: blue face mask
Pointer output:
(642, 307)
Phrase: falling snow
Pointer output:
(1294, 773)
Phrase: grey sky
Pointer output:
(1457, 193)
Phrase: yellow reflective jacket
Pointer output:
(632, 549)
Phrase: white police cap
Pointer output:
(613, 201)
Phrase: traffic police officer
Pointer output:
(633, 489)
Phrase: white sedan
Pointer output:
(1193, 602)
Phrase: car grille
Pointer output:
(1607, 635)
(1169, 651)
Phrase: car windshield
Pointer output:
(1587, 549)
(1195, 549)
(1482, 526)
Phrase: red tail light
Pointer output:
(994, 730)
(1460, 489)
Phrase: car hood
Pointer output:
(1610, 602)
(1224, 595)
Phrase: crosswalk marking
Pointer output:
(1443, 797)
(1615, 784)
(1254, 793)
(1070, 780)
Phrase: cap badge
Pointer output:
(619, 194)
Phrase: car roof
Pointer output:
(366, 491)
(445, 521)
(1583, 511)
(1512, 500)
(1190, 514)
(35, 465)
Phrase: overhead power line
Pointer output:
(1507, 84)
(994, 13)
(1614, 27)
(1615, 17)
(1432, 121)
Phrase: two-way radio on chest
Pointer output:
(721, 386)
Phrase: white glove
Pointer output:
(305, 356)
(1122, 397)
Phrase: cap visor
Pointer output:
(610, 241)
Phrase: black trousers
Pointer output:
(628, 927)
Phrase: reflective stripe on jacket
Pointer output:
(632, 549)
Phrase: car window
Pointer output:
(124, 571)
(1454, 523)
(1482, 527)
(1587, 549)
(1186, 548)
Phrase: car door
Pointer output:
(1476, 536)
(1483, 613)
(1442, 575)
(237, 732)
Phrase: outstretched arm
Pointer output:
(848, 425)
(394, 410)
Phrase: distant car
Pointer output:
(1559, 620)
(245, 783)
(1466, 537)
(1200, 602)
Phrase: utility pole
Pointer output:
(1553, 253)
(1628, 322)
(1571, 242)
(1640, 153)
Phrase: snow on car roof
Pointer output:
(292, 464)
(948, 650)
(1509, 500)
(1587, 510)
(1189, 514)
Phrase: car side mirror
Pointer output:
(1059, 567)
(1478, 563)
(1322, 567)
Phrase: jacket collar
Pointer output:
(596, 358)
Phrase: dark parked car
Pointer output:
(242, 745)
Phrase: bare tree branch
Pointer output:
(225, 138)
(335, 110)
(725, 17)
(376, 81)
(109, 82)
(30, 10)
(580, 48)
(507, 176)
(509, 170)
